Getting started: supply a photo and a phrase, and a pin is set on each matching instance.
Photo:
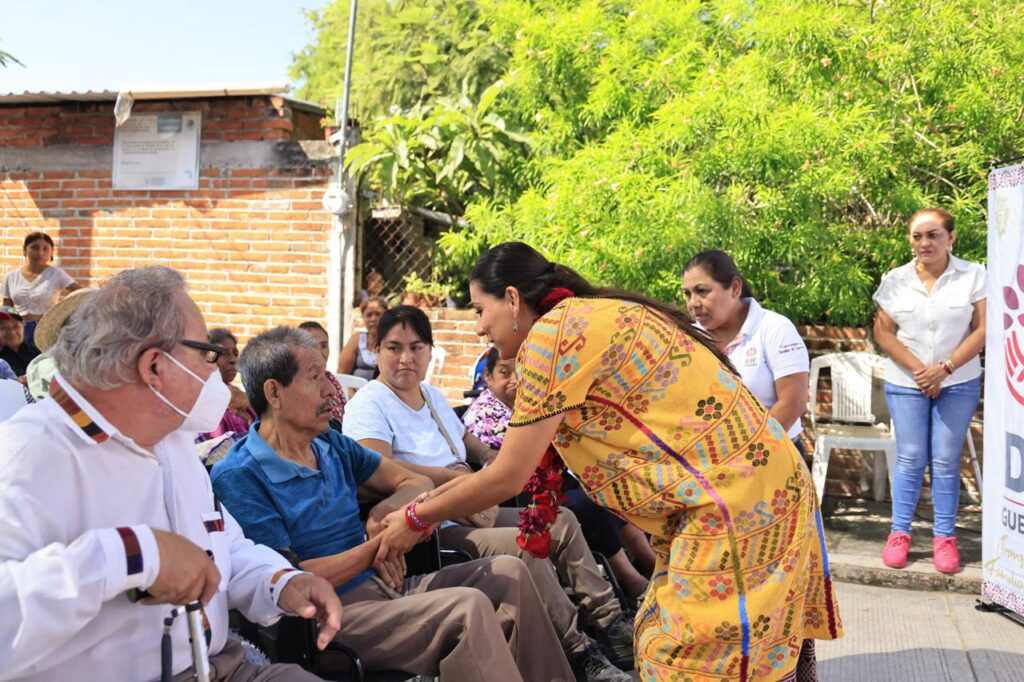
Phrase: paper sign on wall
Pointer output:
(158, 151)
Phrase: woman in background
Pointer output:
(931, 324)
(34, 287)
(763, 346)
(359, 356)
(239, 416)
(340, 397)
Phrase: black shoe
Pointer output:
(617, 642)
(590, 665)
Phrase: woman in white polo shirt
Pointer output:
(931, 324)
(763, 346)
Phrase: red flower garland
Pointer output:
(545, 487)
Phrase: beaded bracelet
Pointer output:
(413, 520)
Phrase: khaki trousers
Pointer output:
(229, 665)
(570, 556)
(481, 620)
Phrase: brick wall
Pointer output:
(252, 239)
(848, 469)
(453, 331)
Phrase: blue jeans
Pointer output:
(30, 333)
(929, 432)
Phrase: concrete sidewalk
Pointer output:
(912, 636)
(856, 530)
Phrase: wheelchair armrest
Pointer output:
(450, 557)
(355, 666)
(296, 643)
(617, 589)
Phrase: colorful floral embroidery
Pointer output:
(720, 587)
(568, 366)
(709, 409)
(757, 454)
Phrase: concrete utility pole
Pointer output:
(342, 281)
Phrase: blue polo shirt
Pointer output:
(282, 504)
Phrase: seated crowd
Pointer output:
(299, 476)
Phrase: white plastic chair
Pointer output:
(853, 425)
(12, 398)
(437, 358)
(350, 383)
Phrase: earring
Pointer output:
(515, 325)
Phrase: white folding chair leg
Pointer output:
(974, 462)
(890, 463)
(819, 467)
(880, 474)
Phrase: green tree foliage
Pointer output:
(407, 52)
(443, 155)
(798, 135)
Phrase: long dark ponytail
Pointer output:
(519, 265)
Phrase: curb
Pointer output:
(918, 575)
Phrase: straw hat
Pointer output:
(50, 323)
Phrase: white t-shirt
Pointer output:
(768, 347)
(931, 326)
(376, 412)
(39, 295)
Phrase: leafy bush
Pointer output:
(443, 155)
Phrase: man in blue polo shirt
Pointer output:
(291, 483)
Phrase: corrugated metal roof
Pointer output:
(155, 92)
(56, 97)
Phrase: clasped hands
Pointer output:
(929, 379)
(397, 538)
(390, 540)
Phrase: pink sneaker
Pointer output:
(945, 555)
(896, 547)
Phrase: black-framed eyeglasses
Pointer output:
(211, 351)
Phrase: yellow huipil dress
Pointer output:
(659, 432)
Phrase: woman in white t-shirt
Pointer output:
(33, 288)
(931, 324)
(762, 345)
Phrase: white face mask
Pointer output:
(209, 407)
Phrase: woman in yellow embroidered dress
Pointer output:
(654, 422)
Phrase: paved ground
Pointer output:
(856, 531)
(913, 624)
(915, 636)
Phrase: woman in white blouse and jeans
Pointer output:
(931, 324)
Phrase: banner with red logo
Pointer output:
(1003, 492)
